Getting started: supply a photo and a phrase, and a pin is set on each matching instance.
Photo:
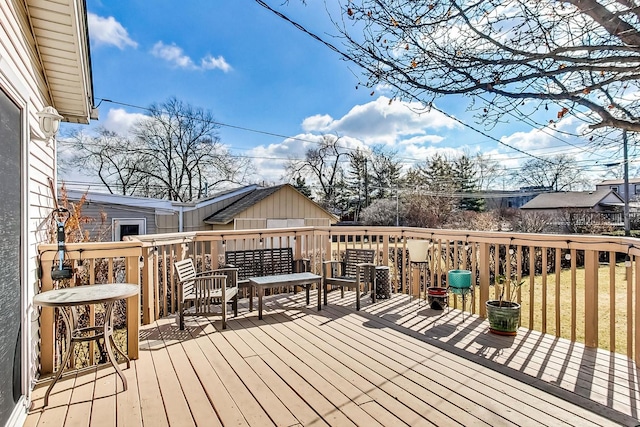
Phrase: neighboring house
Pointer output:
(115, 216)
(44, 67)
(619, 187)
(594, 201)
(496, 199)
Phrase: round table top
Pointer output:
(87, 294)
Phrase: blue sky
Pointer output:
(255, 71)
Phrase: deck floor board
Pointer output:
(396, 362)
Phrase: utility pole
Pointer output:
(625, 148)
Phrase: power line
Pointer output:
(351, 59)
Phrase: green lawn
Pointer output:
(604, 313)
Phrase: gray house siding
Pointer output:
(103, 216)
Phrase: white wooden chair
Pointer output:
(205, 289)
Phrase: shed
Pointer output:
(273, 207)
(113, 216)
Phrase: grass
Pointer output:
(565, 323)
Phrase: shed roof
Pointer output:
(574, 199)
(157, 204)
(226, 215)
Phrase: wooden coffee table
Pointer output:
(305, 280)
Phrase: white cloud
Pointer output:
(211, 63)
(120, 121)
(108, 31)
(382, 122)
(539, 138)
(422, 140)
(175, 55)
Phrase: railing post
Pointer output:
(148, 314)
(133, 307)
(591, 298)
(484, 277)
(631, 318)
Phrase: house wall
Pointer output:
(103, 214)
(634, 189)
(21, 78)
(167, 223)
(286, 203)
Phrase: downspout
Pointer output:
(180, 219)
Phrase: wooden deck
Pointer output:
(394, 363)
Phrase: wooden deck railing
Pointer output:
(93, 263)
(584, 288)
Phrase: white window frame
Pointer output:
(117, 222)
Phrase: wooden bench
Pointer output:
(266, 262)
(356, 269)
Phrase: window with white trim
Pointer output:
(123, 227)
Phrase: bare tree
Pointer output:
(113, 158)
(173, 153)
(560, 173)
(574, 57)
(322, 164)
(488, 171)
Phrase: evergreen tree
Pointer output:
(300, 184)
(386, 173)
(464, 174)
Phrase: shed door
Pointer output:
(10, 292)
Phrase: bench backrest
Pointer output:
(352, 257)
(261, 262)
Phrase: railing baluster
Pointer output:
(591, 298)
(557, 308)
(165, 284)
(484, 277)
(574, 301)
(474, 272)
(532, 284)
(544, 290)
(632, 288)
(612, 300)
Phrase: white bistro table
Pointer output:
(66, 299)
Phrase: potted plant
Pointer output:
(504, 314)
